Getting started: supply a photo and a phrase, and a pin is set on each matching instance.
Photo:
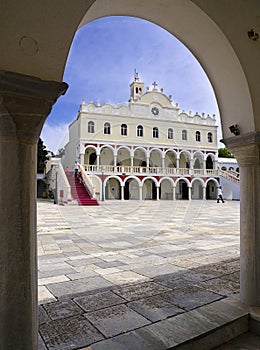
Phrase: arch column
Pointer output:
(163, 161)
(174, 193)
(177, 162)
(246, 149)
(25, 103)
(140, 192)
(157, 192)
(115, 159)
(122, 193)
(189, 193)
(204, 192)
(98, 157)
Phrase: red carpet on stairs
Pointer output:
(79, 192)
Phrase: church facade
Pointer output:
(146, 148)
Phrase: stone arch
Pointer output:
(185, 158)
(106, 155)
(132, 185)
(156, 157)
(166, 188)
(197, 186)
(90, 155)
(182, 188)
(123, 154)
(211, 188)
(112, 186)
(149, 185)
(170, 159)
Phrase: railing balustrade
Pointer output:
(138, 170)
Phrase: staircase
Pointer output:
(79, 192)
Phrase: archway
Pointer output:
(131, 189)
(197, 189)
(166, 189)
(112, 188)
(237, 93)
(123, 156)
(211, 189)
(106, 156)
(182, 189)
(90, 156)
(149, 190)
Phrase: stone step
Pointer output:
(204, 328)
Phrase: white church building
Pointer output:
(146, 148)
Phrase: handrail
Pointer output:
(87, 181)
(230, 175)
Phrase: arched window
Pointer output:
(155, 132)
(197, 136)
(91, 127)
(124, 130)
(210, 137)
(107, 129)
(170, 134)
(140, 131)
(184, 135)
(224, 168)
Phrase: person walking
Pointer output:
(76, 168)
(220, 195)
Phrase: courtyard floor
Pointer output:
(106, 272)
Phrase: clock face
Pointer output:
(155, 111)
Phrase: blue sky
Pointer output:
(101, 65)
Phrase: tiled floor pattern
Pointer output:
(108, 270)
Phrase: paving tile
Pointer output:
(78, 286)
(62, 309)
(220, 286)
(93, 302)
(155, 308)
(41, 345)
(69, 333)
(153, 271)
(191, 297)
(42, 315)
(44, 295)
(116, 319)
(140, 290)
(125, 277)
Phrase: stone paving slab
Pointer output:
(62, 309)
(142, 290)
(78, 286)
(99, 301)
(116, 319)
(69, 333)
(155, 308)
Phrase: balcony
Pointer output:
(149, 171)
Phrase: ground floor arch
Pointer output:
(182, 189)
(131, 189)
(149, 190)
(211, 189)
(166, 189)
(197, 189)
(112, 188)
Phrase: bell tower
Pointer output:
(136, 88)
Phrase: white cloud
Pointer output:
(55, 136)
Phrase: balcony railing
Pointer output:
(138, 170)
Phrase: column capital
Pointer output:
(246, 148)
(25, 102)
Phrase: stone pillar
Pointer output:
(174, 193)
(246, 149)
(140, 193)
(189, 193)
(115, 159)
(163, 161)
(177, 163)
(122, 193)
(204, 193)
(98, 159)
(25, 103)
(157, 192)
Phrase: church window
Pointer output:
(91, 127)
(107, 129)
(124, 130)
(184, 135)
(170, 134)
(210, 138)
(155, 133)
(198, 139)
(140, 131)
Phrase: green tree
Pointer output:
(41, 156)
(224, 153)
(60, 153)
